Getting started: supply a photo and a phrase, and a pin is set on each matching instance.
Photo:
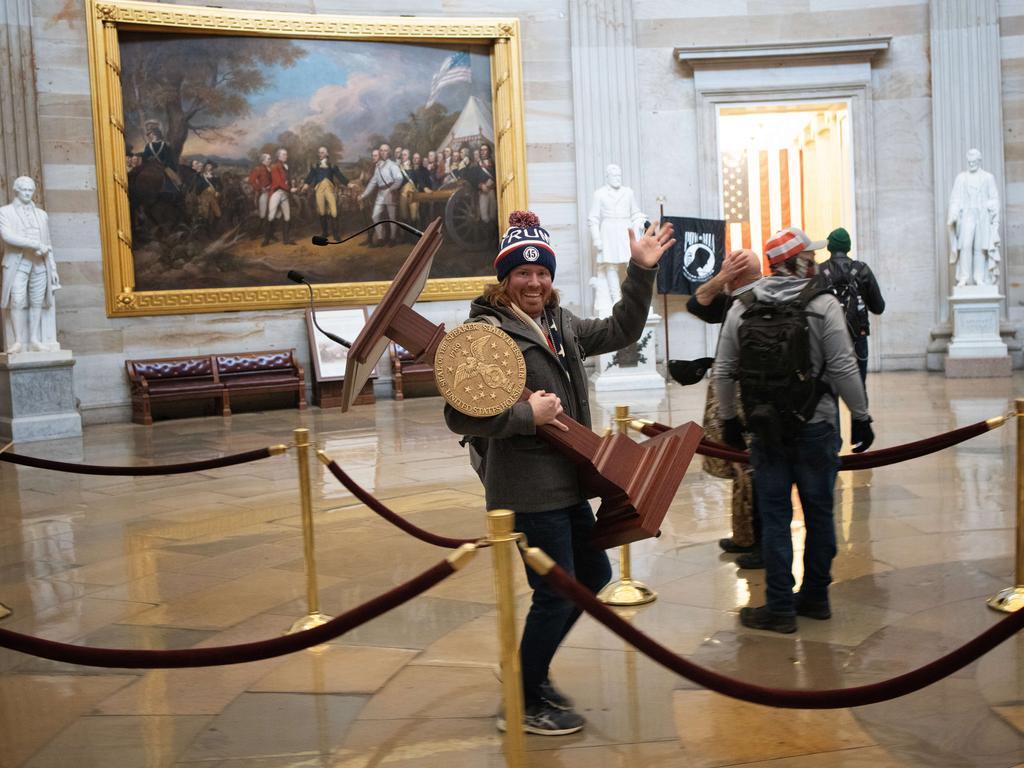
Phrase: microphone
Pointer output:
(298, 277)
(321, 240)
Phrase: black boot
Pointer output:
(287, 233)
(335, 228)
(268, 232)
(323, 225)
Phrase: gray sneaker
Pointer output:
(545, 720)
(555, 697)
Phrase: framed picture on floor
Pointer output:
(329, 357)
(227, 139)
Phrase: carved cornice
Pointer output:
(850, 49)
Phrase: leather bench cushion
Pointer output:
(174, 369)
(229, 364)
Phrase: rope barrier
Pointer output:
(391, 516)
(836, 698)
(855, 461)
(144, 471)
(244, 652)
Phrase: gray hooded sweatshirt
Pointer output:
(830, 346)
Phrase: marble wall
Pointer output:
(1011, 50)
(905, 261)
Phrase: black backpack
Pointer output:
(843, 284)
(778, 387)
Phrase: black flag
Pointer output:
(695, 258)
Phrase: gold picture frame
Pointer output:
(108, 20)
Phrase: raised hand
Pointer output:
(647, 251)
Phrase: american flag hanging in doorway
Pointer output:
(762, 192)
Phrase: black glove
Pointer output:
(861, 434)
(732, 434)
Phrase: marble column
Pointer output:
(605, 106)
(966, 112)
(19, 127)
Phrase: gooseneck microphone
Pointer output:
(298, 277)
(321, 240)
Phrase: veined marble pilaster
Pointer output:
(605, 106)
(19, 128)
(966, 112)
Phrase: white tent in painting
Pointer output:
(475, 124)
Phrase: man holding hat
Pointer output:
(854, 284)
(523, 473)
(806, 455)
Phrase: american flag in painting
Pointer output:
(455, 69)
(762, 192)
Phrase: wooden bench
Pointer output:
(173, 379)
(262, 372)
(214, 378)
(411, 378)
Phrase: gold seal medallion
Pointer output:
(479, 370)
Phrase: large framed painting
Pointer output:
(228, 140)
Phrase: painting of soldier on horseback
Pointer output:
(240, 149)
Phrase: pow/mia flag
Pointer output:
(695, 258)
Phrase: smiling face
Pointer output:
(529, 286)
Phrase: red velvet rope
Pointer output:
(393, 517)
(139, 471)
(789, 698)
(228, 654)
(850, 461)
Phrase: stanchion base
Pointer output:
(4, 611)
(1009, 600)
(308, 622)
(627, 592)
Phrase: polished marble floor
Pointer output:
(216, 558)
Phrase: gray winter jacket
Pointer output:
(522, 471)
(830, 346)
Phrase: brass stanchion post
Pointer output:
(625, 591)
(501, 533)
(1011, 599)
(313, 618)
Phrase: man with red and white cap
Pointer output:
(523, 473)
(798, 449)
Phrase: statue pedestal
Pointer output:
(976, 349)
(632, 368)
(37, 396)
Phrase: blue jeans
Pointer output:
(564, 534)
(811, 462)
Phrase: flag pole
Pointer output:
(664, 296)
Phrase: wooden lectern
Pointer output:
(636, 482)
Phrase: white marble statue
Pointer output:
(29, 276)
(973, 222)
(613, 213)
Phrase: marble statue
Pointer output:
(973, 222)
(29, 276)
(613, 213)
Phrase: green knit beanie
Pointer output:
(839, 241)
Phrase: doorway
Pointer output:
(785, 164)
